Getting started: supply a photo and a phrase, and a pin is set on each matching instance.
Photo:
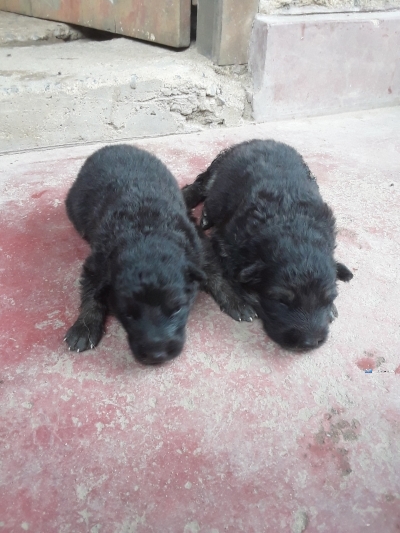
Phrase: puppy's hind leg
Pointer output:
(229, 300)
(88, 328)
(196, 192)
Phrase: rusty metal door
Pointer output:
(160, 21)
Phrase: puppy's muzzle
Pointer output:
(157, 353)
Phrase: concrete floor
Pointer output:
(235, 435)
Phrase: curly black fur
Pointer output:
(275, 238)
(146, 256)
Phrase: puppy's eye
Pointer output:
(282, 296)
(176, 311)
(285, 303)
(132, 315)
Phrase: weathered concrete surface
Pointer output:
(88, 91)
(235, 435)
(319, 64)
(285, 7)
(17, 30)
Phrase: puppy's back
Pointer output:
(114, 177)
(254, 171)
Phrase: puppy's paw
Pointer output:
(83, 335)
(333, 313)
(204, 222)
(239, 310)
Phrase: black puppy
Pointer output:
(275, 238)
(146, 255)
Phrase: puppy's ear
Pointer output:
(251, 273)
(343, 273)
(195, 273)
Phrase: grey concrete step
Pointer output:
(321, 64)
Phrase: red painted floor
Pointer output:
(235, 435)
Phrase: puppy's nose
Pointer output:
(311, 343)
(156, 358)
(159, 356)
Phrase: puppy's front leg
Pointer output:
(229, 300)
(88, 329)
(333, 314)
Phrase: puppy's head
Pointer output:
(152, 297)
(296, 301)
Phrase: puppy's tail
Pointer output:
(196, 192)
